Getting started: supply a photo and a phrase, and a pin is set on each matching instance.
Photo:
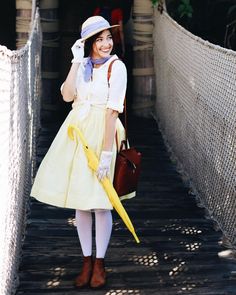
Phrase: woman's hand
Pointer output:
(78, 51)
(104, 165)
(68, 90)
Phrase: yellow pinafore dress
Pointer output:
(64, 178)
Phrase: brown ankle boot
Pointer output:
(98, 279)
(83, 278)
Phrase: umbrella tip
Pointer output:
(136, 239)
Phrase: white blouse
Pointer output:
(97, 91)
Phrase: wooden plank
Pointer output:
(173, 231)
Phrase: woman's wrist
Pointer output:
(107, 149)
(106, 152)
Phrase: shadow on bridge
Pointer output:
(179, 250)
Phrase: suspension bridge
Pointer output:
(184, 212)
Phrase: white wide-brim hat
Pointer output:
(94, 25)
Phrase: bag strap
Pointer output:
(125, 109)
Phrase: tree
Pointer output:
(212, 20)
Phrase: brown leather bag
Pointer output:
(128, 161)
(127, 170)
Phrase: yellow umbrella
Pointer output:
(106, 183)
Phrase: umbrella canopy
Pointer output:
(106, 183)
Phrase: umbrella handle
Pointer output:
(72, 128)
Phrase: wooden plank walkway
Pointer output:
(179, 248)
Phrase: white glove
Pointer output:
(78, 51)
(104, 165)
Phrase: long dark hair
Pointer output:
(88, 45)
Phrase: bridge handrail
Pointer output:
(19, 123)
(196, 107)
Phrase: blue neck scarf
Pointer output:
(89, 66)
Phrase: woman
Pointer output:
(111, 11)
(64, 178)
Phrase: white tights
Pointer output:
(103, 228)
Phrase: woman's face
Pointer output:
(102, 46)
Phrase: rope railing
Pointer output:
(196, 103)
(19, 123)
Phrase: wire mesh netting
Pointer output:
(196, 107)
(19, 124)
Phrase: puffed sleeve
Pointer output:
(117, 89)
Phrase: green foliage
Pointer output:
(232, 10)
(185, 9)
(154, 2)
(230, 32)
